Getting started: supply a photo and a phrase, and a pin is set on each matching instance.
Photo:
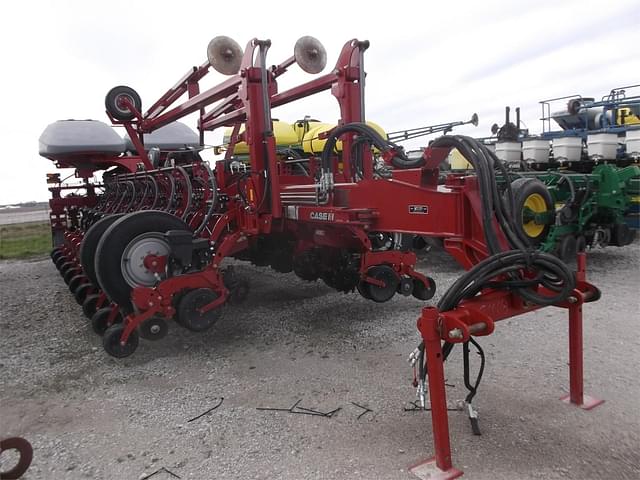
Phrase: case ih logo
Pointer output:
(419, 209)
(324, 216)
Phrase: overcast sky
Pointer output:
(429, 62)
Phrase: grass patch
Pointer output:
(23, 240)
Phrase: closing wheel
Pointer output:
(533, 209)
(114, 103)
(65, 267)
(90, 304)
(121, 251)
(56, 253)
(387, 275)
(189, 315)
(112, 344)
(70, 273)
(154, 328)
(422, 291)
(75, 282)
(100, 320)
(89, 245)
(61, 260)
(82, 291)
(581, 244)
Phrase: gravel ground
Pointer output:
(92, 416)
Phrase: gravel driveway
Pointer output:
(92, 416)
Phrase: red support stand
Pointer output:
(576, 386)
(476, 316)
(438, 467)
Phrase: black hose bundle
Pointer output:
(368, 133)
(520, 269)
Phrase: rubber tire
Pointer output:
(523, 188)
(387, 275)
(26, 456)
(64, 268)
(99, 320)
(567, 249)
(75, 282)
(82, 292)
(89, 306)
(422, 291)
(114, 242)
(112, 106)
(195, 299)
(89, 245)
(61, 260)
(70, 273)
(111, 341)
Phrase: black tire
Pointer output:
(75, 282)
(89, 245)
(61, 260)
(567, 249)
(422, 291)
(363, 289)
(26, 456)
(581, 244)
(531, 190)
(82, 292)
(188, 315)
(111, 103)
(90, 305)
(389, 277)
(99, 320)
(114, 243)
(56, 253)
(64, 268)
(70, 273)
(112, 345)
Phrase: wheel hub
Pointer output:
(135, 269)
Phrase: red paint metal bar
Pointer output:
(192, 105)
(175, 92)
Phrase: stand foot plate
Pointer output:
(587, 402)
(429, 470)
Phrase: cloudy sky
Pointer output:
(429, 62)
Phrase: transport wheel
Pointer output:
(189, 316)
(389, 277)
(121, 251)
(99, 320)
(422, 291)
(70, 273)
(89, 306)
(154, 328)
(113, 103)
(82, 291)
(90, 244)
(26, 456)
(531, 198)
(75, 282)
(113, 346)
